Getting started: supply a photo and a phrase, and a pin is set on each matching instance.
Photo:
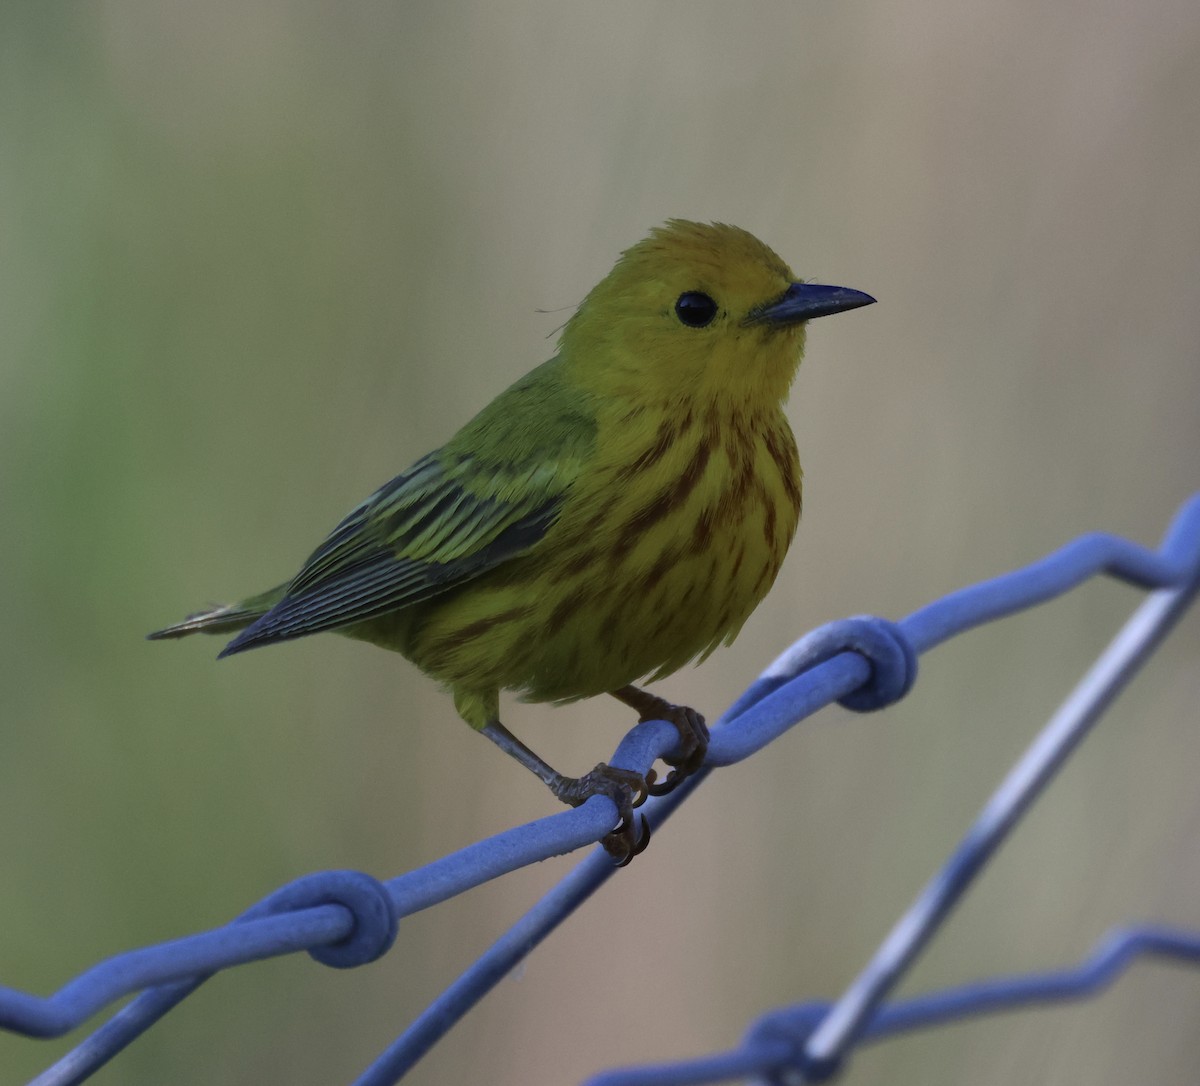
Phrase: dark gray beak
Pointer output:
(804, 301)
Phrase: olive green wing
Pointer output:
(485, 498)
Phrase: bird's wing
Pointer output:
(486, 497)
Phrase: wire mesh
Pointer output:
(348, 918)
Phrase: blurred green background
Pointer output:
(254, 259)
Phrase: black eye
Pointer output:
(695, 309)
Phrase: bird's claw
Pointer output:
(693, 744)
(620, 844)
(627, 790)
(668, 784)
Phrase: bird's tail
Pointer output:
(222, 619)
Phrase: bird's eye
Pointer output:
(695, 309)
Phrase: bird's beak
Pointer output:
(804, 301)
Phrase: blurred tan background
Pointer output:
(256, 259)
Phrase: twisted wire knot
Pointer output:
(790, 1028)
(882, 643)
(367, 900)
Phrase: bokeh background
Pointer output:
(254, 259)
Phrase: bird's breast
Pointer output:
(669, 550)
(661, 552)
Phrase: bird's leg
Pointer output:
(624, 787)
(693, 733)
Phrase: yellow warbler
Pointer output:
(615, 514)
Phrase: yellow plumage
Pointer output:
(674, 528)
(616, 513)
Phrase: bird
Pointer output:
(615, 514)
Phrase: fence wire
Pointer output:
(348, 918)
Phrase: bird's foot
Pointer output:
(693, 735)
(627, 790)
(693, 742)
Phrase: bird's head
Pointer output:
(697, 309)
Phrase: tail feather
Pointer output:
(221, 619)
(214, 621)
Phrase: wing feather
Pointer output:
(454, 515)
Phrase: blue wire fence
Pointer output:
(347, 918)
